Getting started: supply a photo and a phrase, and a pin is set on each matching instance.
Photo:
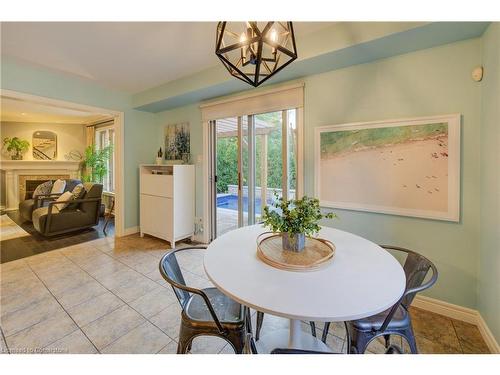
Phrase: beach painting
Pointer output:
(407, 167)
(177, 141)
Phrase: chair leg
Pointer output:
(359, 341)
(185, 340)
(326, 328)
(410, 339)
(313, 328)
(237, 340)
(387, 339)
(260, 320)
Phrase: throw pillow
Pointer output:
(67, 196)
(43, 189)
(78, 193)
(58, 187)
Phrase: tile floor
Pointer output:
(107, 296)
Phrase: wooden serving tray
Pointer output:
(317, 252)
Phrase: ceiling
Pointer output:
(127, 56)
(15, 110)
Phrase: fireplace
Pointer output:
(28, 183)
(30, 186)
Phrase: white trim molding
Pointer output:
(461, 313)
(130, 230)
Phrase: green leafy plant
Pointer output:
(295, 216)
(16, 146)
(95, 163)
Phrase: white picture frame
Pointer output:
(373, 184)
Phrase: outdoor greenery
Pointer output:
(335, 142)
(95, 163)
(16, 146)
(227, 158)
(295, 216)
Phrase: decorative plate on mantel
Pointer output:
(317, 253)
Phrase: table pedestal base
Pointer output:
(294, 338)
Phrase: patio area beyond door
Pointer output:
(254, 161)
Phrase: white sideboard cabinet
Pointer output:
(167, 201)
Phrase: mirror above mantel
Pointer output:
(44, 145)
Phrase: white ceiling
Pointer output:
(15, 110)
(128, 56)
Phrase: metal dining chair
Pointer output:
(396, 320)
(204, 311)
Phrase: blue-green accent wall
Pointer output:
(489, 255)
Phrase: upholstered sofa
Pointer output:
(80, 214)
(30, 204)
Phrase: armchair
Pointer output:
(84, 213)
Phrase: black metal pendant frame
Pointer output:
(256, 38)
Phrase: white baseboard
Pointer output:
(129, 231)
(457, 312)
(198, 238)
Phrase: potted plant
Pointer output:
(95, 163)
(295, 219)
(16, 147)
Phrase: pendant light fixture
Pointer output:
(255, 51)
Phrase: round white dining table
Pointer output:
(363, 279)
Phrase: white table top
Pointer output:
(362, 280)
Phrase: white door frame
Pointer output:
(119, 145)
(206, 190)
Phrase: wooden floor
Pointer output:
(107, 296)
(35, 243)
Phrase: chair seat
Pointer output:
(400, 320)
(227, 310)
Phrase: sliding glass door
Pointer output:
(253, 161)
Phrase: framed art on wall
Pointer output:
(177, 141)
(408, 167)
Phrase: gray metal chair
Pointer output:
(396, 320)
(204, 311)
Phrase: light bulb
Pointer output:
(274, 36)
(243, 37)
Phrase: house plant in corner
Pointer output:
(295, 219)
(16, 147)
(95, 163)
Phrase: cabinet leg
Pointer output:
(142, 234)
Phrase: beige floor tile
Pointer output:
(26, 294)
(80, 294)
(120, 277)
(74, 343)
(59, 285)
(96, 262)
(16, 265)
(105, 270)
(153, 302)
(20, 319)
(170, 348)
(168, 320)
(112, 326)
(434, 327)
(336, 344)
(470, 338)
(95, 308)
(41, 334)
(426, 346)
(3, 344)
(144, 339)
(134, 289)
(207, 345)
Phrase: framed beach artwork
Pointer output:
(407, 167)
(177, 141)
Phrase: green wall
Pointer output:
(489, 257)
(139, 128)
(429, 82)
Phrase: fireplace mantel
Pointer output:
(11, 165)
(16, 170)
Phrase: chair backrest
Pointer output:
(92, 190)
(171, 272)
(71, 183)
(416, 267)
